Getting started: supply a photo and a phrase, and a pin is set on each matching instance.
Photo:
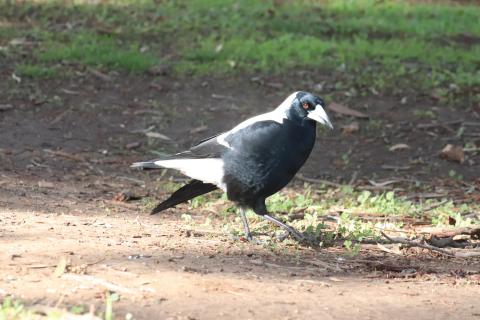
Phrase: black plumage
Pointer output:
(189, 191)
(252, 161)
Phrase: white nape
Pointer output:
(207, 170)
(277, 115)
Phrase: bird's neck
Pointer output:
(294, 116)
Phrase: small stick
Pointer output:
(66, 155)
(100, 282)
(436, 124)
(413, 243)
(317, 181)
(435, 205)
(353, 178)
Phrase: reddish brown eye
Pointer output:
(305, 106)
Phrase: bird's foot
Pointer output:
(294, 233)
(289, 230)
(283, 236)
(298, 236)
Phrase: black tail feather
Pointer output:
(147, 165)
(185, 193)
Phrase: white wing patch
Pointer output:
(207, 170)
(276, 115)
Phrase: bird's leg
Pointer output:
(297, 235)
(261, 210)
(248, 234)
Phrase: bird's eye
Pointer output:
(305, 106)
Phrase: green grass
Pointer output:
(35, 71)
(385, 44)
(98, 50)
(359, 214)
(16, 310)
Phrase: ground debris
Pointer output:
(101, 75)
(453, 153)
(473, 232)
(63, 154)
(421, 243)
(351, 128)
(125, 196)
(5, 107)
(99, 281)
(344, 110)
(399, 146)
(194, 270)
(133, 145)
(157, 135)
(45, 184)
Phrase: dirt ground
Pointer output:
(65, 149)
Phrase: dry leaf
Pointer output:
(351, 128)
(157, 135)
(17, 42)
(16, 78)
(45, 184)
(125, 196)
(133, 145)
(341, 109)
(198, 129)
(101, 75)
(61, 267)
(399, 146)
(335, 279)
(453, 153)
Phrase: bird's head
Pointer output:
(306, 106)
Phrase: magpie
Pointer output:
(252, 161)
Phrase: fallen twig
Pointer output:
(449, 233)
(317, 181)
(437, 124)
(435, 205)
(420, 243)
(66, 155)
(472, 124)
(321, 264)
(399, 168)
(384, 183)
(101, 75)
(120, 203)
(426, 195)
(100, 282)
(137, 181)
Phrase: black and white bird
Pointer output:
(252, 161)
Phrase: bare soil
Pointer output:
(65, 149)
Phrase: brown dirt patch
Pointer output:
(64, 156)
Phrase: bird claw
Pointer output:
(283, 236)
(294, 233)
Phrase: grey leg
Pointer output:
(297, 235)
(248, 234)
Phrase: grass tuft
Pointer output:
(35, 71)
(98, 51)
(389, 45)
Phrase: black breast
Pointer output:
(264, 158)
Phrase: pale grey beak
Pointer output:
(320, 116)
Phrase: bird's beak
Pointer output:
(320, 116)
